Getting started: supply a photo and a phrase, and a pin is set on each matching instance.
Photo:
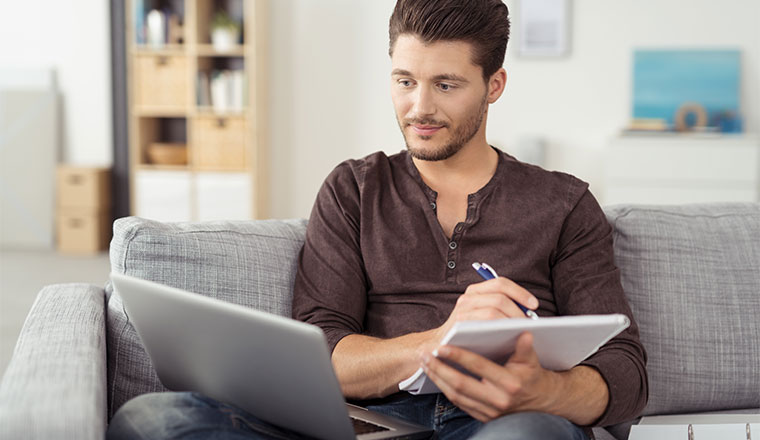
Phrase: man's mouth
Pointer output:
(426, 130)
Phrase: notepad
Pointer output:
(560, 342)
(698, 427)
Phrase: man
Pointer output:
(385, 269)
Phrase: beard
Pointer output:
(459, 138)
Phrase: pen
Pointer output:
(488, 273)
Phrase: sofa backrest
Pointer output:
(248, 263)
(692, 276)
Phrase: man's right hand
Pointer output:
(487, 300)
(369, 367)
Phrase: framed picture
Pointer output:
(544, 28)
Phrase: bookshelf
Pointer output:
(197, 109)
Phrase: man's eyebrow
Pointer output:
(401, 72)
(441, 77)
(450, 77)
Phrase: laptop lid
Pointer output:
(276, 368)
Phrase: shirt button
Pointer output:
(432, 205)
(453, 245)
(451, 264)
(458, 228)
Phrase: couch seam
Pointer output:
(677, 214)
(255, 234)
(129, 238)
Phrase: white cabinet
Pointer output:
(224, 196)
(164, 195)
(680, 169)
(175, 196)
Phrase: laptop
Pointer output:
(276, 368)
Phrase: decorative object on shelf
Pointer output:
(225, 31)
(727, 122)
(544, 28)
(175, 32)
(156, 23)
(678, 85)
(648, 124)
(167, 153)
(683, 118)
(223, 90)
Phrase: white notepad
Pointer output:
(698, 427)
(560, 342)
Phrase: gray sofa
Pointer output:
(691, 273)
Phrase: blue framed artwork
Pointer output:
(664, 80)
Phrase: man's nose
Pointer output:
(424, 104)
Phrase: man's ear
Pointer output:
(496, 85)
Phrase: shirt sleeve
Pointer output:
(331, 284)
(586, 281)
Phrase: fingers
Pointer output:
(499, 294)
(500, 389)
(485, 306)
(481, 399)
(524, 351)
(489, 371)
(506, 287)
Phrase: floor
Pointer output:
(24, 273)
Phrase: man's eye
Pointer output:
(405, 83)
(445, 87)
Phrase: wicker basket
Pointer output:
(162, 153)
(161, 81)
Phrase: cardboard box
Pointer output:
(83, 230)
(84, 187)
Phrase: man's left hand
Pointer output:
(519, 385)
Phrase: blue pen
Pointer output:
(488, 273)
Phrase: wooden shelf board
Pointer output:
(200, 168)
(154, 167)
(207, 50)
(166, 50)
(167, 112)
(210, 112)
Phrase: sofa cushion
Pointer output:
(691, 274)
(252, 263)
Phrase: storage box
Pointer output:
(83, 230)
(161, 81)
(84, 187)
(219, 143)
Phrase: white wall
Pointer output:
(73, 38)
(331, 101)
(329, 79)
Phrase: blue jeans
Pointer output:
(194, 416)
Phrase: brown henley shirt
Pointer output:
(377, 262)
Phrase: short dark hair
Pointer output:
(482, 23)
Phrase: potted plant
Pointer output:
(225, 31)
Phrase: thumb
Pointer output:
(524, 352)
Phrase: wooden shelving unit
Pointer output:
(191, 95)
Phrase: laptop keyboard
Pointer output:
(362, 427)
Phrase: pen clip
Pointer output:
(489, 269)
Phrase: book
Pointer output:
(560, 342)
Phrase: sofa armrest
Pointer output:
(55, 384)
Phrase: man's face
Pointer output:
(439, 96)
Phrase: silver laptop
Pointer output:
(276, 368)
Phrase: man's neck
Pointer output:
(468, 170)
